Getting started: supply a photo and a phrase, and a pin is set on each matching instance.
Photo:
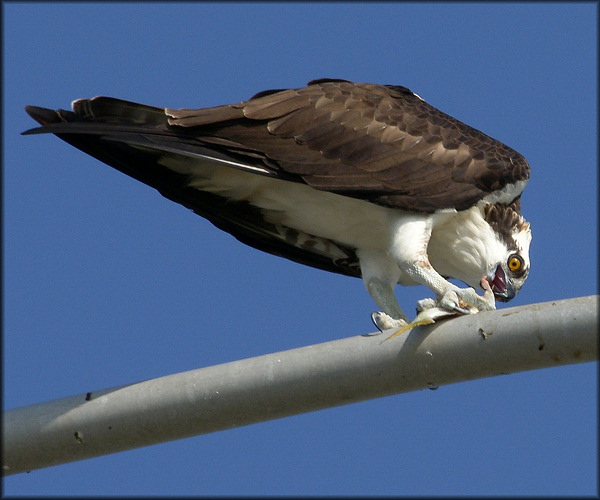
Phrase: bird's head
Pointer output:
(508, 271)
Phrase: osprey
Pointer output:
(359, 179)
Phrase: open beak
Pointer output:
(501, 286)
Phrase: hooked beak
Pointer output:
(502, 288)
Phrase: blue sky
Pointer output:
(106, 282)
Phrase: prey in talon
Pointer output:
(360, 179)
(429, 312)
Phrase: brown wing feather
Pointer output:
(378, 142)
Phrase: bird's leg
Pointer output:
(383, 295)
(380, 275)
(449, 296)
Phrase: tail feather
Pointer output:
(101, 110)
(134, 138)
(112, 110)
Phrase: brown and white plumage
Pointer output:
(360, 179)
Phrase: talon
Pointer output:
(467, 301)
(461, 310)
(450, 302)
(384, 321)
(426, 303)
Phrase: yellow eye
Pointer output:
(515, 263)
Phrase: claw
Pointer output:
(451, 302)
(462, 310)
(461, 301)
(467, 301)
(384, 321)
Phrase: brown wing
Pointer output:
(380, 143)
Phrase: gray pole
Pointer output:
(299, 380)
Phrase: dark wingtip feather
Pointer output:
(43, 116)
(46, 117)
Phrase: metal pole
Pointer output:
(299, 380)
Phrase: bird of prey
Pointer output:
(360, 179)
